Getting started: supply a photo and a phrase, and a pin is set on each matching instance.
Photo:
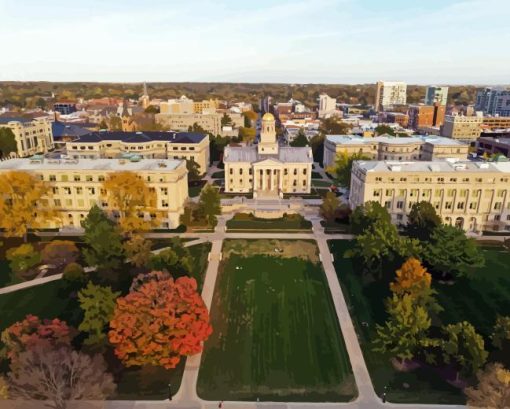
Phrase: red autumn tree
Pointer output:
(60, 253)
(159, 321)
(33, 333)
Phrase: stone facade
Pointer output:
(268, 170)
(76, 185)
(32, 136)
(472, 195)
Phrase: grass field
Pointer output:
(49, 301)
(243, 221)
(276, 336)
(321, 183)
(478, 301)
(316, 175)
(218, 175)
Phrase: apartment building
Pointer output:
(390, 93)
(474, 196)
(77, 185)
(462, 127)
(436, 95)
(32, 135)
(327, 105)
(425, 148)
(146, 145)
(493, 101)
(422, 116)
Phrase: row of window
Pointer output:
(438, 180)
(134, 148)
(268, 171)
(400, 204)
(487, 193)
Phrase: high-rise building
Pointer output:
(436, 95)
(65, 108)
(327, 105)
(421, 116)
(493, 101)
(390, 93)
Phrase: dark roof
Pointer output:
(135, 137)
(6, 119)
(61, 129)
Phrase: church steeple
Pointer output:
(144, 99)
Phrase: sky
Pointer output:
(300, 41)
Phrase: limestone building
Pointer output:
(394, 148)
(32, 135)
(462, 127)
(148, 145)
(268, 170)
(389, 94)
(474, 196)
(76, 185)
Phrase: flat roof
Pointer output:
(358, 140)
(250, 154)
(27, 164)
(445, 165)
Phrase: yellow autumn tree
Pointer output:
(21, 208)
(413, 279)
(128, 194)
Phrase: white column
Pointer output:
(272, 180)
(264, 179)
(254, 180)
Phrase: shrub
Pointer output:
(22, 258)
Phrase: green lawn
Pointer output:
(477, 301)
(316, 175)
(218, 175)
(244, 221)
(276, 336)
(194, 191)
(321, 183)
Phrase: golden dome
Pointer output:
(268, 117)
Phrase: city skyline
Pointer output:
(335, 41)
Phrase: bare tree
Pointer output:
(59, 376)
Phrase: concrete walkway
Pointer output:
(31, 283)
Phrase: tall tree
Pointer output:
(493, 389)
(115, 123)
(329, 207)
(449, 251)
(7, 142)
(176, 259)
(405, 333)
(463, 347)
(334, 126)
(342, 168)
(32, 333)
(20, 203)
(300, 140)
(193, 169)
(384, 130)
(22, 258)
(129, 195)
(247, 135)
(226, 120)
(413, 279)
(60, 253)
(103, 241)
(365, 216)
(422, 220)
(209, 204)
(97, 304)
(59, 376)
(501, 333)
(160, 321)
(138, 250)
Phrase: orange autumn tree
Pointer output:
(127, 193)
(20, 203)
(160, 320)
(414, 280)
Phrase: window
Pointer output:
(231, 171)
(164, 191)
(497, 206)
(53, 178)
(55, 190)
(92, 190)
(57, 203)
(67, 190)
(79, 190)
(100, 178)
(400, 205)
(389, 192)
(64, 178)
(89, 178)
(387, 204)
(460, 205)
(304, 171)
(295, 171)
(240, 171)
(450, 192)
(448, 205)
(77, 178)
(164, 203)
(472, 205)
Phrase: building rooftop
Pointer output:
(448, 165)
(37, 164)
(358, 140)
(61, 129)
(250, 154)
(137, 137)
(5, 120)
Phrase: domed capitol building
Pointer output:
(268, 170)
